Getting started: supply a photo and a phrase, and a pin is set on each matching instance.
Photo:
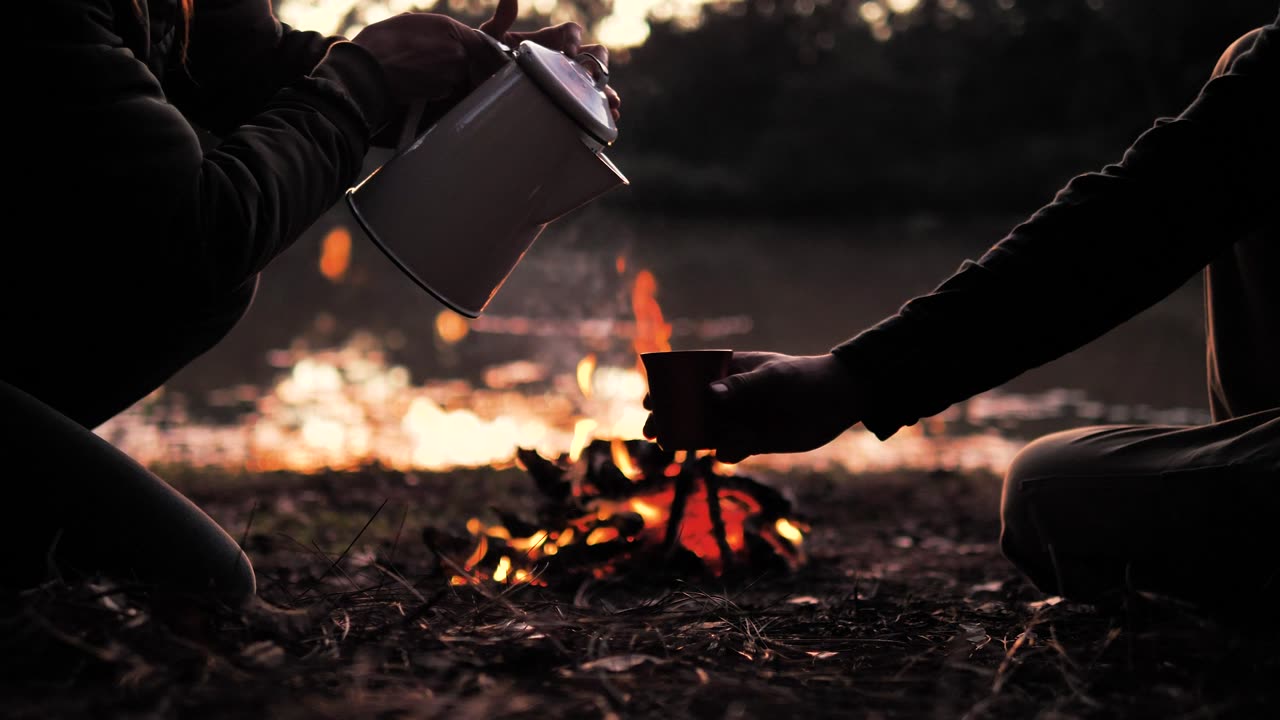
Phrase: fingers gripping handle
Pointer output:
(601, 79)
(413, 115)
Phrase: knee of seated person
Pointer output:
(1052, 455)
(216, 569)
(1020, 539)
(238, 584)
(1241, 46)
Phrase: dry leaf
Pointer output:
(974, 633)
(263, 654)
(619, 663)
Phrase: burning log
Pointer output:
(628, 507)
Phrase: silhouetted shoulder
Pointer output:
(1254, 52)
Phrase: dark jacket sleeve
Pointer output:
(238, 57)
(109, 156)
(1111, 244)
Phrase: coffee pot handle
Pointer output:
(409, 131)
(602, 78)
(413, 115)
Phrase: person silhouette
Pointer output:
(169, 151)
(1087, 513)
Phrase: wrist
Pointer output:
(361, 78)
(844, 387)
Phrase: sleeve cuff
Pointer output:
(871, 359)
(359, 78)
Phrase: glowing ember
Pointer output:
(725, 468)
(451, 327)
(599, 535)
(651, 514)
(619, 510)
(335, 253)
(789, 531)
(504, 567)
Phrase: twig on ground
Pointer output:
(343, 556)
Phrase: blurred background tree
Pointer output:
(821, 106)
(347, 17)
(872, 107)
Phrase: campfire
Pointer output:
(611, 507)
(627, 507)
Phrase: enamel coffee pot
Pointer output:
(457, 207)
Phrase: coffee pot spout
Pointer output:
(583, 182)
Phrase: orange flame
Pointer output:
(586, 370)
(504, 567)
(482, 548)
(335, 253)
(653, 332)
(581, 437)
(622, 458)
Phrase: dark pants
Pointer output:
(1181, 511)
(74, 502)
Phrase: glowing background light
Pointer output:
(626, 26)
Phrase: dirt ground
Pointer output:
(905, 610)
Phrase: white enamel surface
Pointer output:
(460, 206)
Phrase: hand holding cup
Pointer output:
(757, 402)
(680, 395)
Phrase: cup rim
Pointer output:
(706, 351)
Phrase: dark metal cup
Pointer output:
(680, 394)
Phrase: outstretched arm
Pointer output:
(1111, 244)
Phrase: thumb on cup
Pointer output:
(731, 394)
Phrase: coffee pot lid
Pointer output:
(571, 85)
